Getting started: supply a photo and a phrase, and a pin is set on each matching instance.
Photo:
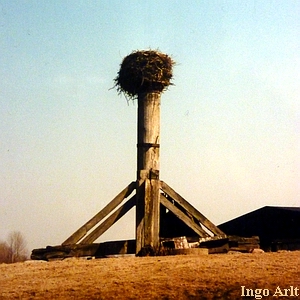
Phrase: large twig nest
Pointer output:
(144, 72)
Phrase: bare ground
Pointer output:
(218, 276)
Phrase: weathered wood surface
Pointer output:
(244, 240)
(175, 243)
(182, 216)
(140, 213)
(243, 244)
(148, 185)
(90, 250)
(148, 131)
(112, 219)
(61, 252)
(189, 208)
(116, 248)
(151, 217)
(82, 231)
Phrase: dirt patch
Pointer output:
(218, 276)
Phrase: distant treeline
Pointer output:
(14, 248)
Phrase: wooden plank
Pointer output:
(77, 250)
(151, 218)
(213, 242)
(176, 243)
(244, 240)
(116, 248)
(61, 252)
(190, 209)
(182, 216)
(140, 214)
(240, 249)
(82, 231)
(107, 223)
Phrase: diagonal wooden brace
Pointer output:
(111, 220)
(190, 209)
(182, 216)
(82, 231)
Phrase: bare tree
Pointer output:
(17, 247)
(4, 252)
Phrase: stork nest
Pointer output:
(144, 72)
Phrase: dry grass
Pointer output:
(166, 277)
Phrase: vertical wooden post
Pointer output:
(148, 184)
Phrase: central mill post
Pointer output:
(148, 184)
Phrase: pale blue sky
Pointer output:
(229, 126)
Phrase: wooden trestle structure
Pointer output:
(161, 213)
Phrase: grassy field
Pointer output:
(218, 276)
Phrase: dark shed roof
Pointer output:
(270, 223)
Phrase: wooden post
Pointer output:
(148, 184)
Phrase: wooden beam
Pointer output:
(116, 248)
(148, 184)
(148, 131)
(182, 216)
(151, 218)
(140, 215)
(82, 231)
(112, 219)
(77, 250)
(189, 208)
(61, 252)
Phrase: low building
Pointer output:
(278, 228)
